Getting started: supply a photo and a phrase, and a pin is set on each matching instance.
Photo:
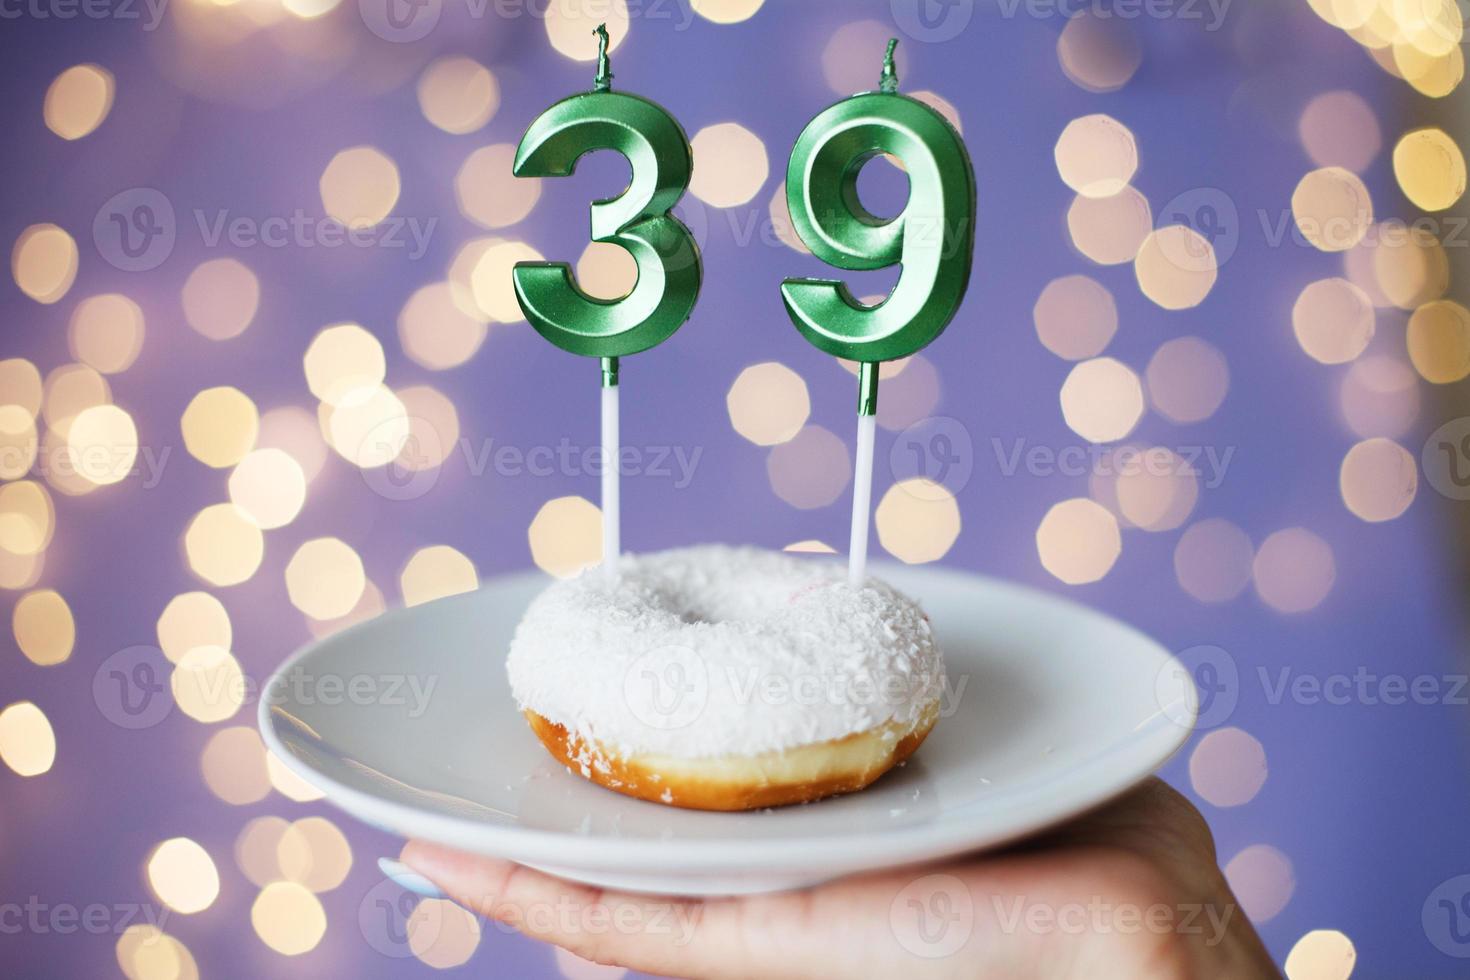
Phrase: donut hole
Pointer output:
(738, 603)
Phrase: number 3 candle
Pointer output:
(636, 220)
(933, 238)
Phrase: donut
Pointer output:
(720, 678)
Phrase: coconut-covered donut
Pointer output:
(724, 678)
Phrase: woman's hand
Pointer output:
(1131, 891)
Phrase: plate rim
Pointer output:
(844, 853)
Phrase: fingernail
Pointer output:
(405, 877)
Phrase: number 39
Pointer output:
(933, 237)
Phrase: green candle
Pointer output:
(637, 220)
(933, 238)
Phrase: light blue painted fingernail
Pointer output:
(405, 877)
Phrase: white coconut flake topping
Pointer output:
(718, 651)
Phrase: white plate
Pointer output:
(1054, 709)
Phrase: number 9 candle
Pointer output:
(637, 220)
(933, 238)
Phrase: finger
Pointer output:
(836, 931)
(647, 933)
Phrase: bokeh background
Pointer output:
(1208, 377)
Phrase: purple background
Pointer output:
(1367, 802)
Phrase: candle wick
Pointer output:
(604, 78)
(888, 82)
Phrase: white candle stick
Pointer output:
(611, 451)
(862, 499)
(862, 477)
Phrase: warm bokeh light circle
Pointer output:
(1322, 954)
(78, 101)
(566, 536)
(1096, 156)
(1332, 209)
(768, 403)
(1078, 541)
